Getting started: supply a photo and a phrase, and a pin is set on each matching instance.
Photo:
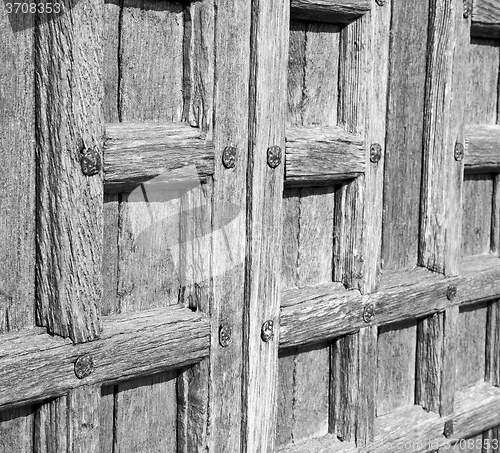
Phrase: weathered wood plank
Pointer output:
(269, 43)
(403, 153)
(486, 19)
(477, 214)
(320, 155)
(444, 116)
(137, 152)
(337, 11)
(69, 124)
(17, 203)
(110, 300)
(492, 374)
(110, 59)
(422, 431)
(135, 344)
(495, 218)
(151, 67)
(311, 315)
(482, 152)
(482, 83)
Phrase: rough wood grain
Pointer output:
(321, 155)
(495, 218)
(17, 203)
(69, 121)
(269, 43)
(132, 345)
(232, 48)
(338, 11)
(486, 19)
(307, 260)
(477, 214)
(111, 58)
(437, 349)
(150, 71)
(493, 344)
(481, 148)
(403, 153)
(444, 115)
(482, 83)
(106, 418)
(138, 152)
(491, 440)
(311, 315)
(110, 301)
(413, 429)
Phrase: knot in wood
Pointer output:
(229, 157)
(459, 151)
(267, 331)
(84, 366)
(451, 292)
(448, 428)
(225, 333)
(368, 313)
(90, 161)
(274, 156)
(380, 2)
(375, 152)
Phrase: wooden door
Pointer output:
(250, 226)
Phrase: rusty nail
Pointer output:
(375, 152)
(267, 331)
(368, 313)
(380, 2)
(448, 428)
(459, 151)
(274, 156)
(84, 366)
(90, 161)
(225, 333)
(229, 157)
(451, 292)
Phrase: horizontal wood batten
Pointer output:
(135, 153)
(476, 410)
(482, 152)
(316, 314)
(333, 11)
(316, 155)
(486, 19)
(35, 366)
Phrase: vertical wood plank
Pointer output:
(110, 55)
(106, 418)
(150, 66)
(493, 344)
(482, 83)
(495, 217)
(403, 153)
(477, 214)
(17, 203)
(491, 440)
(231, 97)
(296, 73)
(69, 122)
(110, 300)
(270, 32)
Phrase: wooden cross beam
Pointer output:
(486, 19)
(136, 153)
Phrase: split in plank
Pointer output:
(315, 314)
(36, 366)
(482, 152)
(486, 19)
(332, 11)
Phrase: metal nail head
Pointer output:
(267, 331)
(274, 156)
(375, 152)
(368, 313)
(225, 333)
(84, 366)
(90, 161)
(229, 157)
(448, 428)
(451, 292)
(459, 151)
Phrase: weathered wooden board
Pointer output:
(482, 83)
(481, 148)
(17, 203)
(486, 19)
(338, 11)
(477, 214)
(492, 372)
